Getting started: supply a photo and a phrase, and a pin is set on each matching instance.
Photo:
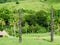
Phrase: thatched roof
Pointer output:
(4, 33)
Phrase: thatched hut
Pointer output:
(3, 34)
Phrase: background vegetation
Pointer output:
(35, 16)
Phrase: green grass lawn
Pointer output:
(31, 39)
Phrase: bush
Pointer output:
(37, 29)
(42, 29)
(57, 32)
(17, 2)
(24, 30)
(40, 18)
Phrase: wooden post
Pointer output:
(20, 27)
(52, 23)
(14, 30)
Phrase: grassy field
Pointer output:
(31, 39)
(32, 5)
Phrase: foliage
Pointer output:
(35, 18)
(6, 17)
(37, 29)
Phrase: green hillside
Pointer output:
(32, 4)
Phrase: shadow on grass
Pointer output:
(46, 40)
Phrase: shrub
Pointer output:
(24, 29)
(17, 2)
(57, 32)
(37, 29)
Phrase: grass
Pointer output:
(31, 39)
(32, 5)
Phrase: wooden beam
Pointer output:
(20, 27)
(52, 23)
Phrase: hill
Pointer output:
(32, 4)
